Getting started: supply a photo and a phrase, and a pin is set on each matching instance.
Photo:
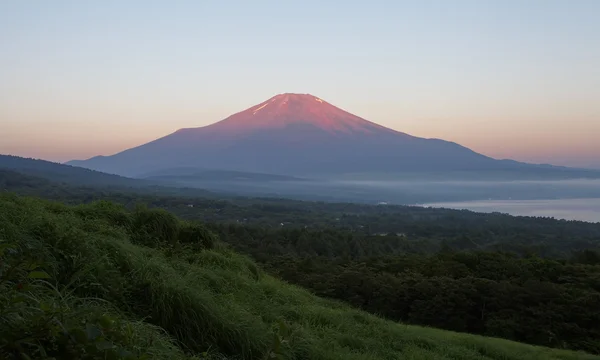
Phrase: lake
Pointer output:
(568, 209)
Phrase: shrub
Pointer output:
(198, 236)
(115, 214)
(154, 227)
(38, 321)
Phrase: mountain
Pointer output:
(303, 135)
(28, 176)
(61, 173)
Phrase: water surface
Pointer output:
(568, 209)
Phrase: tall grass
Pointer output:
(146, 285)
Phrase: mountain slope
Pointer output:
(175, 174)
(64, 173)
(300, 135)
(126, 295)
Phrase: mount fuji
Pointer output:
(304, 135)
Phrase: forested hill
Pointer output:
(57, 181)
(65, 173)
(381, 229)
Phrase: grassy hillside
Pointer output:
(96, 282)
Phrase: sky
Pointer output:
(509, 79)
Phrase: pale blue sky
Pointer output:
(516, 79)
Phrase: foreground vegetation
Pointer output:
(534, 280)
(99, 282)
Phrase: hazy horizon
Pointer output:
(504, 78)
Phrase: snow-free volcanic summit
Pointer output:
(301, 135)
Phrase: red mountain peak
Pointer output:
(288, 109)
(287, 102)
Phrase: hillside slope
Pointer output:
(303, 135)
(84, 274)
(64, 173)
(56, 181)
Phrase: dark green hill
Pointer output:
(57, 181)
(99, 282)
(65, 173)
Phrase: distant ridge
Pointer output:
(61, 173)
(305, 136)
